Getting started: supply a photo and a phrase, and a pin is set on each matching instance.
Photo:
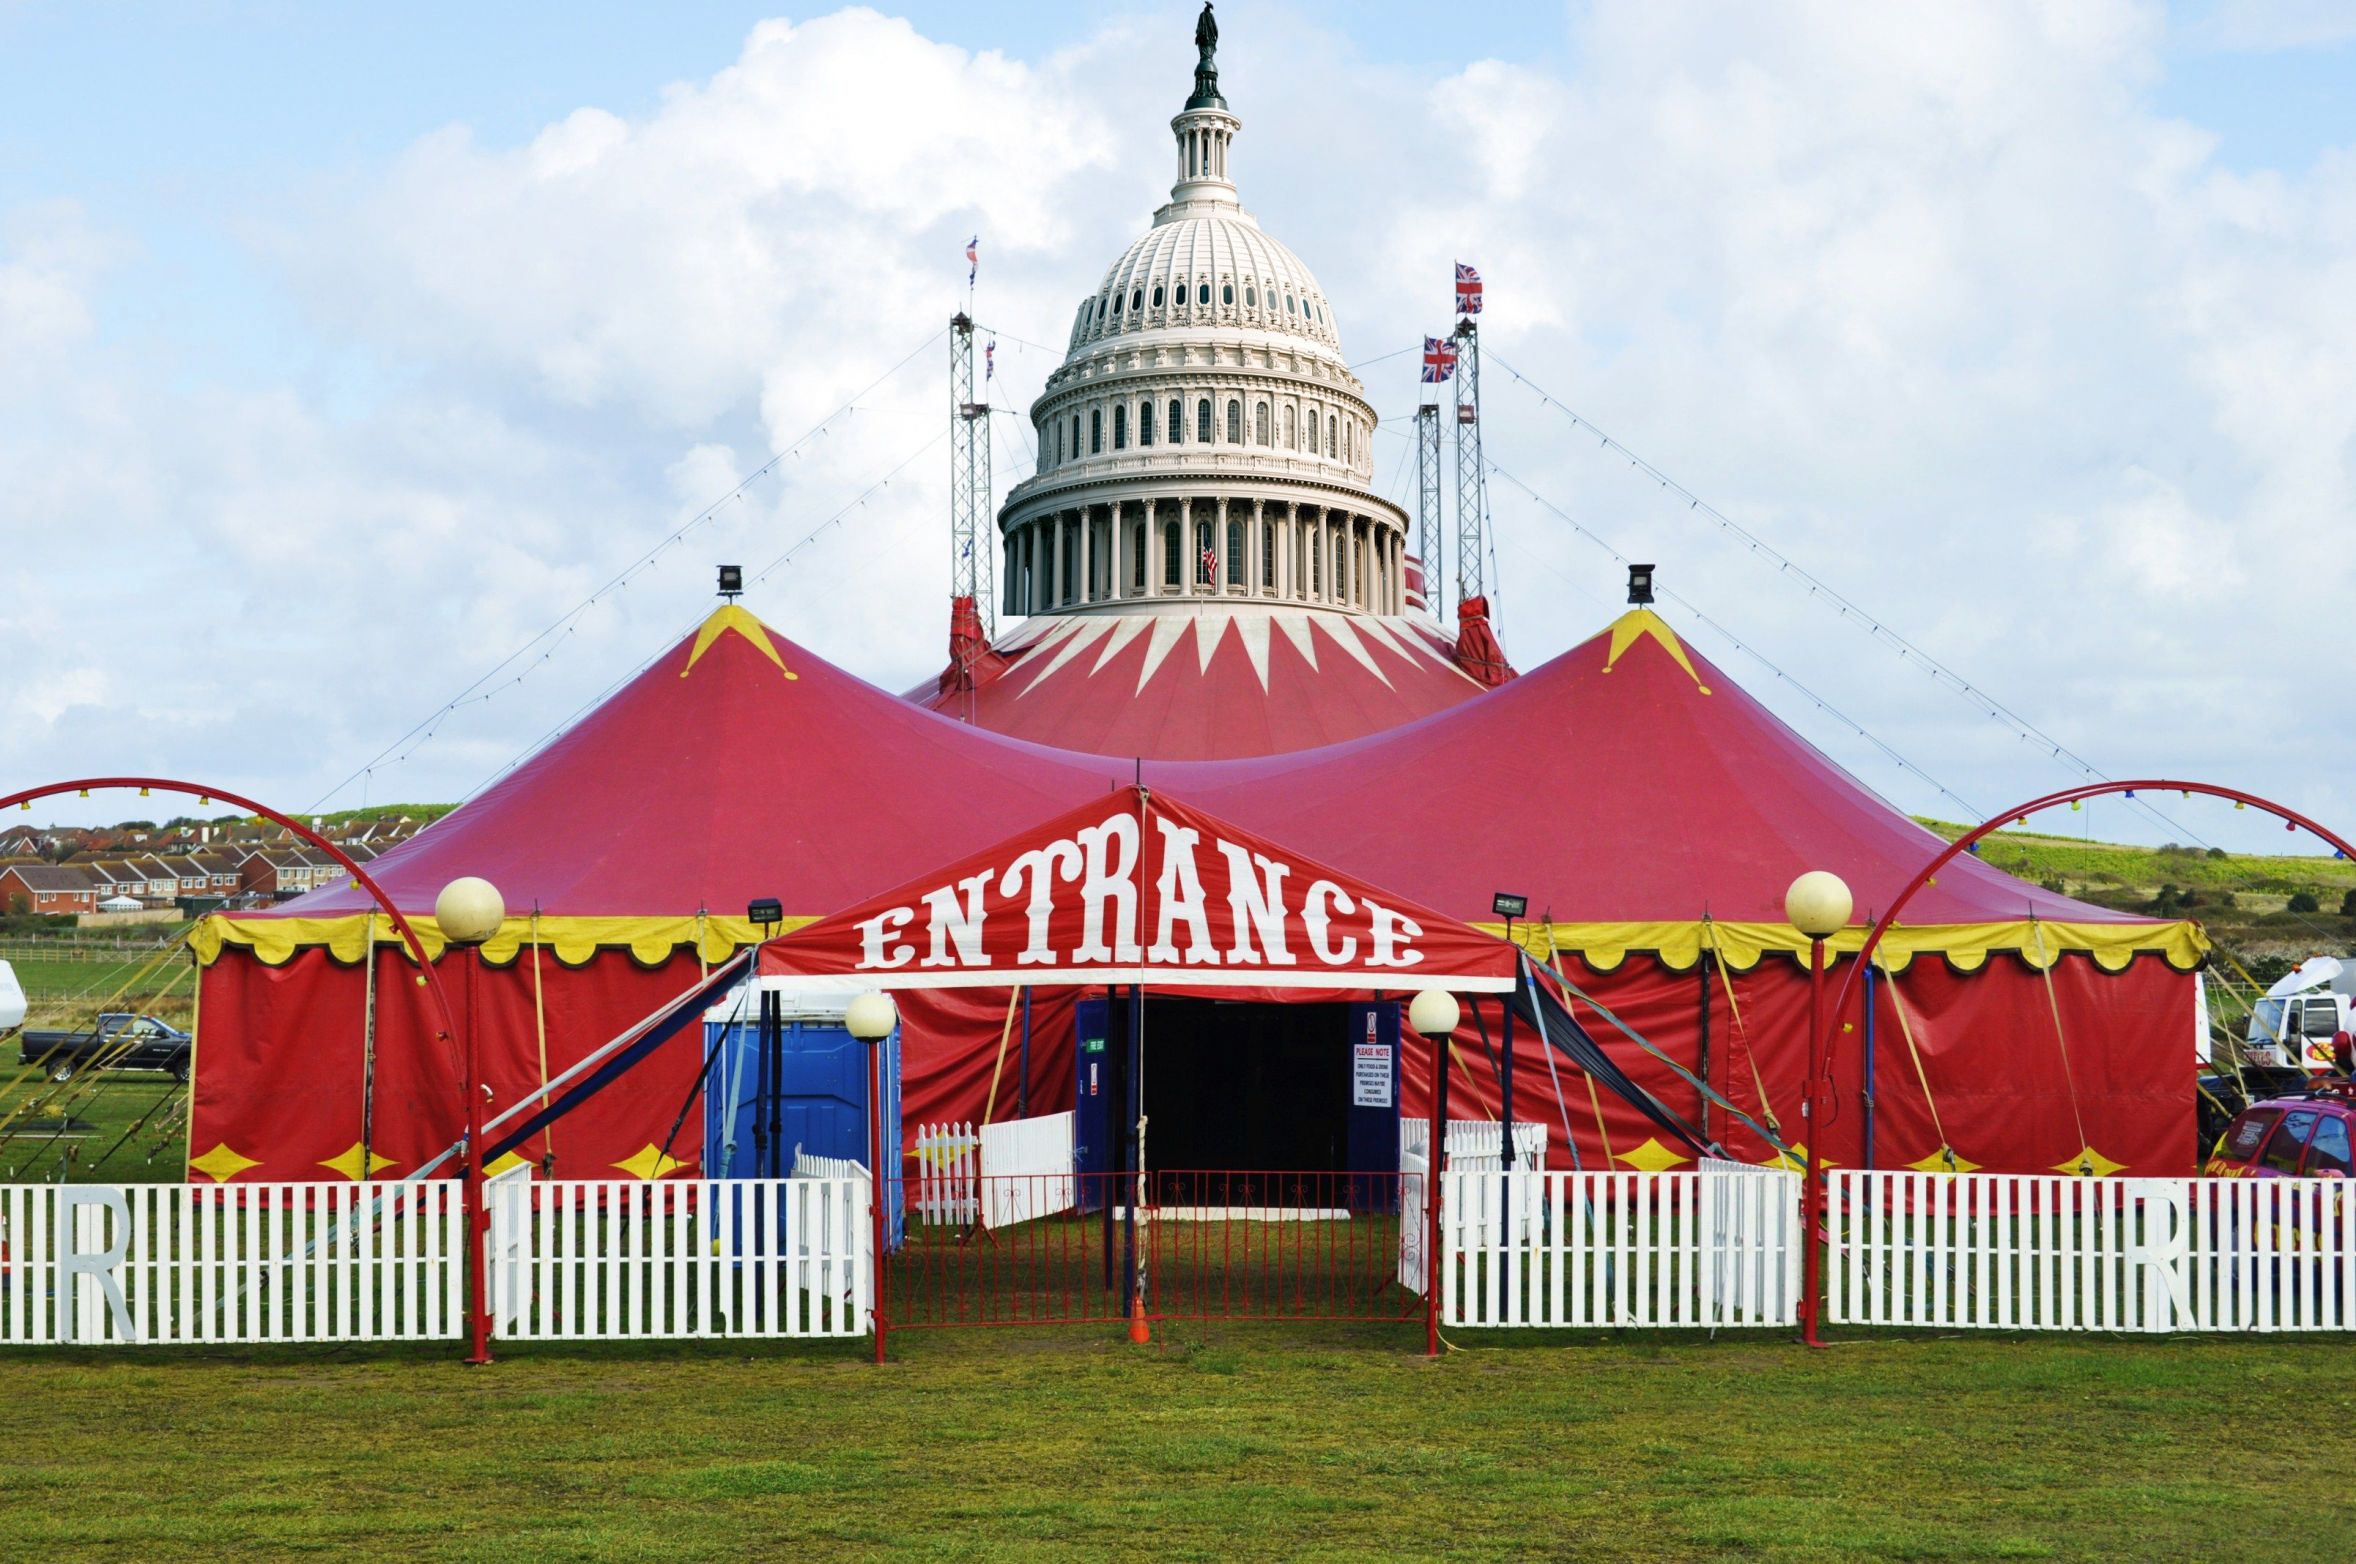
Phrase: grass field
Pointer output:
(1245, 1442)
(104, 1107)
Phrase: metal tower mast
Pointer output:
(1431, 517)
(1472, 479)
(972, 546)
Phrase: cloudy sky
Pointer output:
(346, 352)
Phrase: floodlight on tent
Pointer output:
(1509, 907)
(732, 582)
(761, 914)
(1640, 584)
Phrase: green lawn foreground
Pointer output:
(1223, 1442)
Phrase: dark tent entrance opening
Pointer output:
(1290, 1106)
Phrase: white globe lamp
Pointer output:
(1818, 904)
(871, 1017)
(469, 910)
(1434, 1013)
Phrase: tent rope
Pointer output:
(540, 1032)
(1005, 1035)
(1773, 1138)
(1546, 1047)
(2061, 1039)
(1921, 1076)
(1741, 1031)
(367, 1045)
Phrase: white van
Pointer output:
(2292, 1027)
(12, 1000)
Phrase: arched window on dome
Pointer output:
(1202, 422)
(1235, 551)
(1116, 304)
(1145, 423)
(1172, 547)
(1136, 300)
(1234, 422)
(1251, 297)
(1095, 430)
(1267, 554)
(1177, 422)
(1227, 293)
(1205, 554)
(1292, 434)
(1348, 451)
(1259, 423)
(1333, 435)
(1202, 293)
(1288, 304)
(1316, 565)
(1157, 295)
(1059, 442)
(1120, 426)
(1137, 556)
(1075, 437)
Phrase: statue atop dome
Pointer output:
(1206, 66)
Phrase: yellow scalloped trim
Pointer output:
(573, 940)
(1965, 946)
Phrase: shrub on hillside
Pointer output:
(2348, 904)
(2303, 901)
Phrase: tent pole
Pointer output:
(1431, 1195)
(1132, 1105)
(1022, 1080)
(1865, 1093)
(877, 1185)
(1701, 1094)
(1505, 1090)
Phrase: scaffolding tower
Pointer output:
(1431, 519)
(1472, 479)
(972, 548)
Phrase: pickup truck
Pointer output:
(119, 1041)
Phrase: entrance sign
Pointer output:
(1137, 888)
(1370, 1075)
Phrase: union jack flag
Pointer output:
(1439, 360)
(1468, 290)
(973, 259)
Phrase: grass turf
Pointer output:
(1315, 1442)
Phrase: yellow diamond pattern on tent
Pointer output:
(1652, 1157)
(648, 1163)
(2089, 1161)
(221, 1164)
(357, 1163)
(1640, 622)
(1936, 1163)
(730, 617)
(500, 1164)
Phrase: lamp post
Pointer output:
(1818, 905)
(469, 911)
(870, 1018)
(1433, 1015)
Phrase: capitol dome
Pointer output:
(1200, 563)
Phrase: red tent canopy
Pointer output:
(1140, 888)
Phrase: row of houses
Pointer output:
(68, 844)
(242, 876)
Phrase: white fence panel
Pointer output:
(1477, 1145)
(173, 1264)
(626, 1259)
(2051, 1252)
(1643, 1250)
(1414, 1219)
(809, 1165)
(1027, 1169)
(948, 1161)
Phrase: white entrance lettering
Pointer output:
(1325, 901)
(1181, 892)
(952, 923)
(1392, 931)
(874, 953)
(1257, 906)
(1039, 869)
(1110, 852)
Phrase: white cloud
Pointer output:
(1929, 296)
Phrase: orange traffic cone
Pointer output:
(1139, 1331)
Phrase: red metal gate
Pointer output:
(1039, 1249)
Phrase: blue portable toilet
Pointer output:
(786, 1075)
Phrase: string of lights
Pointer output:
(550, 639)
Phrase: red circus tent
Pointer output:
(737, 766)
(1654, 814)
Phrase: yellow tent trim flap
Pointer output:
(573, 941)
(1965, 946)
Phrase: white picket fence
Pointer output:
(626, 1260)
(1477, 1145)
(2007, 1251)
(1643, 1250)
(948, 1163)
(171, 1264)
(1027, 1170)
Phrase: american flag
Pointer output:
(973, 261)
(1210, 563)
(1439, 360)
(1468, 290)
